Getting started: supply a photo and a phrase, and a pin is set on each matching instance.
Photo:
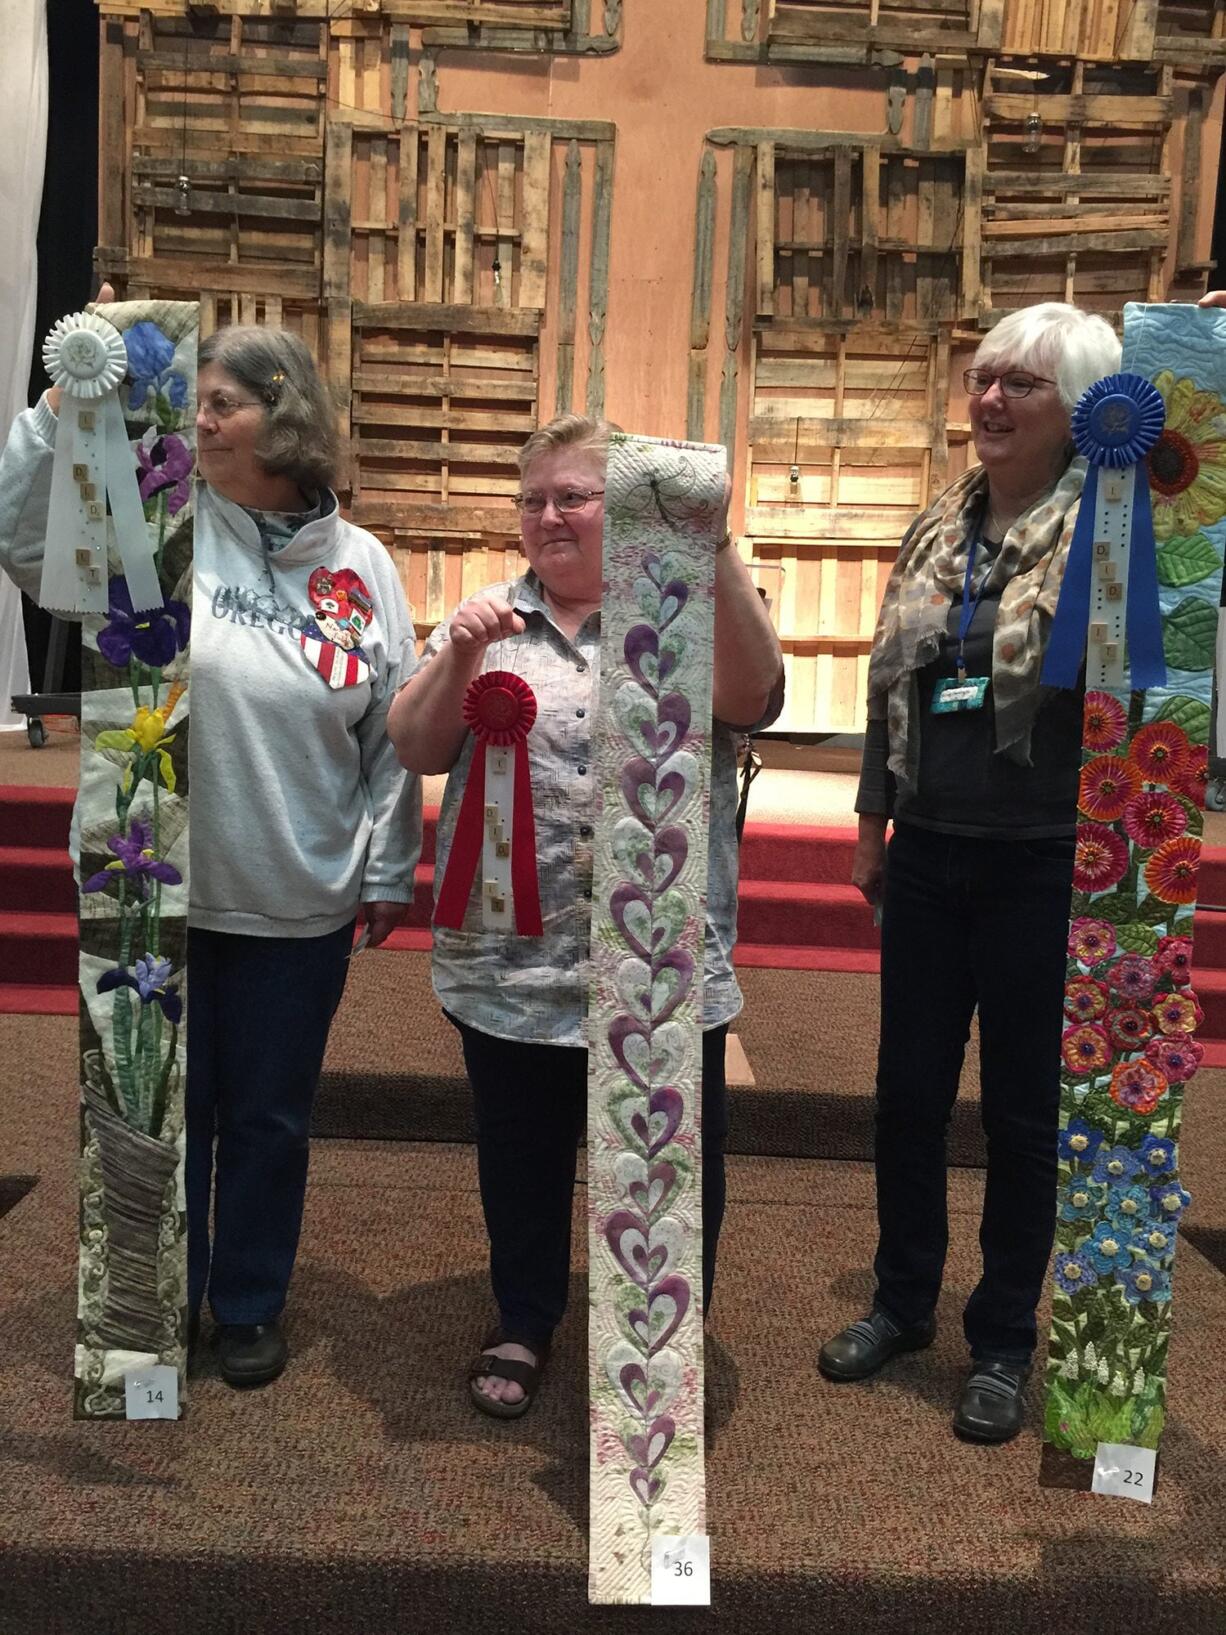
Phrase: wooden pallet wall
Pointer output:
(861, 267)
(849, 31)
(421, 254)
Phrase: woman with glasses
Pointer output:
(519, 1002)
(300, 811)
(977, 765)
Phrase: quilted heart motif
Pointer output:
(647, 1390)
(658, 1058)
(648, 1449)
(655, 1324)
(657, 793)
(655, 730)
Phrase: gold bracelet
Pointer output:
(724, 543)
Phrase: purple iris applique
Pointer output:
(149, 980)
(134, 860)
(154, 637)
(165, 463)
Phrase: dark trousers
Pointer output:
(259, 1010)
(531, 1108)
(970, 923)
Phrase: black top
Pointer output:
(963, 786)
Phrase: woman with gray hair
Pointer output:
(300, 811)
(519, 1002)
(977, 764)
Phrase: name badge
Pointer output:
(951, 694)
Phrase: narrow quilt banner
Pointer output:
(663, 502)
(132, 815)
(1130, 1009)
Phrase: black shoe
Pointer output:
(250, 1353)
(862, 1348)
(993, 1402)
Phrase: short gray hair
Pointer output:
(299, 437)
(577, 431)
(1052, 338)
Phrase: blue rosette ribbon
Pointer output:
(1115, 424)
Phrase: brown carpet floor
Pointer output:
(361, 1494)
(394, 1070)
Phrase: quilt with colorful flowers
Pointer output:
(132, 813)
(1129, 1046)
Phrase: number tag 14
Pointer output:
(151, 1393)
(681, 1570)
(1125, 1471)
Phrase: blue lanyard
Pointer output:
(969, 608)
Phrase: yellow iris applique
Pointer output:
(146, 735)
(1187, 465)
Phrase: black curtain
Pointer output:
(67, 232)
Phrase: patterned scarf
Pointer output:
(931, 571)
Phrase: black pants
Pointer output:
(970, 923)
(260, 1010)
(531, 1107)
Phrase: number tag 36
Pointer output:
(681, 1570)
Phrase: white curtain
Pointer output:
(23, 146)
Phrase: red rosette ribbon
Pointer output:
(499, 709)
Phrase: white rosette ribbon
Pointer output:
(85, 357)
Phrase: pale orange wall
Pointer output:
(663, 97)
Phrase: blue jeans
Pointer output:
(259, 1010)
(970, 924)
(531, 1109)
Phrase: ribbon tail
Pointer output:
(525, 886)
(466, 844)
(127, 512)
(1146, 656)
(1066, 643)
(68, 586)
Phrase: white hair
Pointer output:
(1052, 338)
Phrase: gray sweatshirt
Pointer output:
(299, 808)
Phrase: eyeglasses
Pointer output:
(221, 405)
(1013, 383)
(569, 499)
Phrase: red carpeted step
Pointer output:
(18, 999)
(1212, 881)
(796, 913)
(1210, 988)
(32, 816)
(36, 949)
(785, 957)
(789, 851)
(36, 880)
(413, 939)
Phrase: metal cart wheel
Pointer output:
(36, 732)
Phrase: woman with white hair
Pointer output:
(300, 812)
(977, 765)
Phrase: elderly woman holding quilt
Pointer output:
(977, 764)
(301, 814)
(519, 1002)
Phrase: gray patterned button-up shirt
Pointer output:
(534, 989)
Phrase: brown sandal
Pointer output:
(526, 1375)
